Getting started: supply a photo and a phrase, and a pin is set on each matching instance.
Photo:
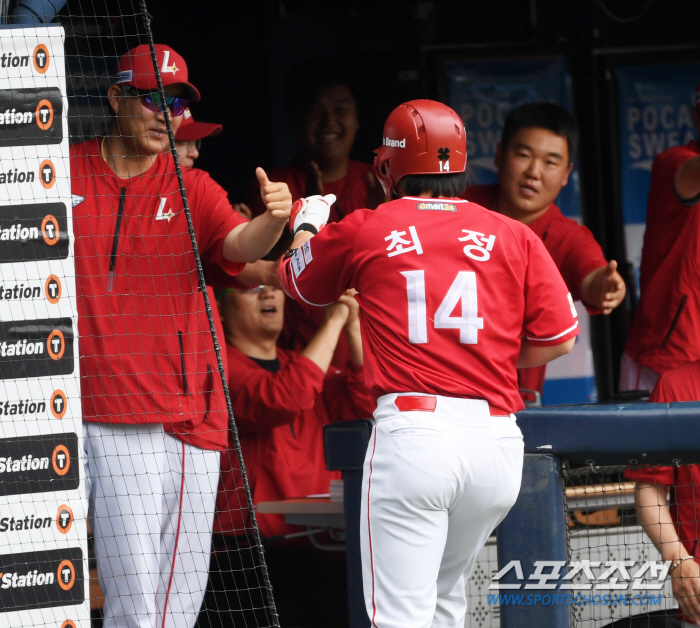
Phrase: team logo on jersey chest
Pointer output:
(161, 215)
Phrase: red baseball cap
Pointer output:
(135, 68)
(191, 131)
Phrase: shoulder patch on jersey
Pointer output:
(306, 247)
(436, 207)
(76, 200)
(298, 263)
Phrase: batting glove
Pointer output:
(310, 213)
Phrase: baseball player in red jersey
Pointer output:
(674, 528)
(666, 327)
(534, 160)
(452, 297)
(152, 426)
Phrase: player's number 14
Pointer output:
(463, 289)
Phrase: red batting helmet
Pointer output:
(420, 137)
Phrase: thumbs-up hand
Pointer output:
(313, 210)
(275, 195)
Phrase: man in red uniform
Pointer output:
(152, 426)
(281, 400)
(534, 160)
(666, 327)
(674, 530)
(323, 115)
(453, 297)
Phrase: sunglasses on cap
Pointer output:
(154, 101)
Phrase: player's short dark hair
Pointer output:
(306, 79)
(542, 115)
(450, 185)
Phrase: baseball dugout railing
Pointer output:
(571, 551)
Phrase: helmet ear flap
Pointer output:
(381, 170)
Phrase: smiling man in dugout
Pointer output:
(534, 160)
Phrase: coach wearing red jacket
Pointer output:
(152, 426)
(281, 400)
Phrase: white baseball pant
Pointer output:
(151, 504)
(634, 376)
(435, 485)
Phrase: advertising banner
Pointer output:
(655, 105)
(43, 535)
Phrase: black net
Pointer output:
(621, 519)
(113, 377)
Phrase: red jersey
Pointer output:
(301, 322)
(573, 249)
(145, 346)
(446, 288)
(280, 416)
(666, 326)
(681, 384)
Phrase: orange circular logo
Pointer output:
(41, 58)
(64, 519)
(66, 575)
(69, 623)
(44, 115)
(50, 230)
(47, 174)
(53, 289)
(60, 459)
(56, 344)
(58, 404)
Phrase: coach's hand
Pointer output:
(313, 210)
(686, 588)
(275, 195)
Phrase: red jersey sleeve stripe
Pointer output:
(574, 326)
(301, 296)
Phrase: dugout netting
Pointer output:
(108, 318)
(605, 528)
(609, 553)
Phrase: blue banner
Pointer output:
(654, 113)
(654, 108)
(483, 92)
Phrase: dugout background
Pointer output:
(238, 55)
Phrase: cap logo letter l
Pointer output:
(168, 68)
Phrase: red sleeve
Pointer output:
(263, 400)
(665, 166)
(321, 270)
(213, 219)
(576, 254)
(550, 316)
(346, 396)
(663, 476)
